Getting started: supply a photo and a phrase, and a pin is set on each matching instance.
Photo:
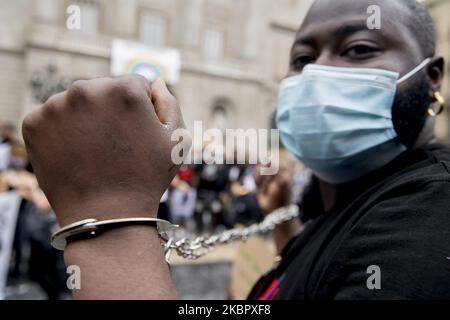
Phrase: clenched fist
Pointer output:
(102, 149)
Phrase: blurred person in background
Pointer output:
(212, 184)
(244, 203)
(183, 197)
(33, 257)
(7, 140)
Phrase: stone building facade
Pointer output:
(233, 52)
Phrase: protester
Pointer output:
(182, 198)
(33, 258)
(377, 202)
(243, 192)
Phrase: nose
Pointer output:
(326, 59)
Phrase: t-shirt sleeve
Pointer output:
(400, 249)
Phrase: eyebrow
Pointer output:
(349, 29)
(341, 32)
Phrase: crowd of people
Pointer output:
(209, 198)
(33, 259)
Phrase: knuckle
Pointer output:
(136, 78)
(30, 124)
(50, 105)
(129, 91)
(78, 92)
(53, 104)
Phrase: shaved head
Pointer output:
(412, 14)
(421, 25)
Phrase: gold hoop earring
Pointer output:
(440, 101)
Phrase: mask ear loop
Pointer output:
(414, 71)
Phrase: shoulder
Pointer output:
(406, 236)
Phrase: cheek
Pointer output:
(389, 64)
(409, 111)
(292, 73)
(392, 59)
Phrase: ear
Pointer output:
(436, 73)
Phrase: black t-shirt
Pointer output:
(393, 225)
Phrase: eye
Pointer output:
(361, 51)
(297, 63)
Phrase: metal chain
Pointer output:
(200, 246)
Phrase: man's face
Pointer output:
(335, 33)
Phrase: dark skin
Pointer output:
(102, 150)
(101, 177)
(335, 33)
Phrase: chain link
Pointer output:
(196, 248)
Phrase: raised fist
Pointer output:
(102, 149)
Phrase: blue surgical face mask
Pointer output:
(338, 121)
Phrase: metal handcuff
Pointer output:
(186, 248)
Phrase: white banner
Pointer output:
(5, 155)
(136, 58)
(9, 209)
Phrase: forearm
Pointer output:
(123, 263)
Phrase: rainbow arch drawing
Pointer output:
(148, 68)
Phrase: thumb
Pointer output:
(166, 106)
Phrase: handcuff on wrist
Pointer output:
(89, 228)
(186, 248)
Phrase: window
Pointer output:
(153, 29)
(219, 118)
(89, 17)
(213, 42)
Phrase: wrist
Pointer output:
(120, 262)
(121, 238)
(126, 243)
(105, 207)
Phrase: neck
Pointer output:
(426, 136)
(331, 193)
